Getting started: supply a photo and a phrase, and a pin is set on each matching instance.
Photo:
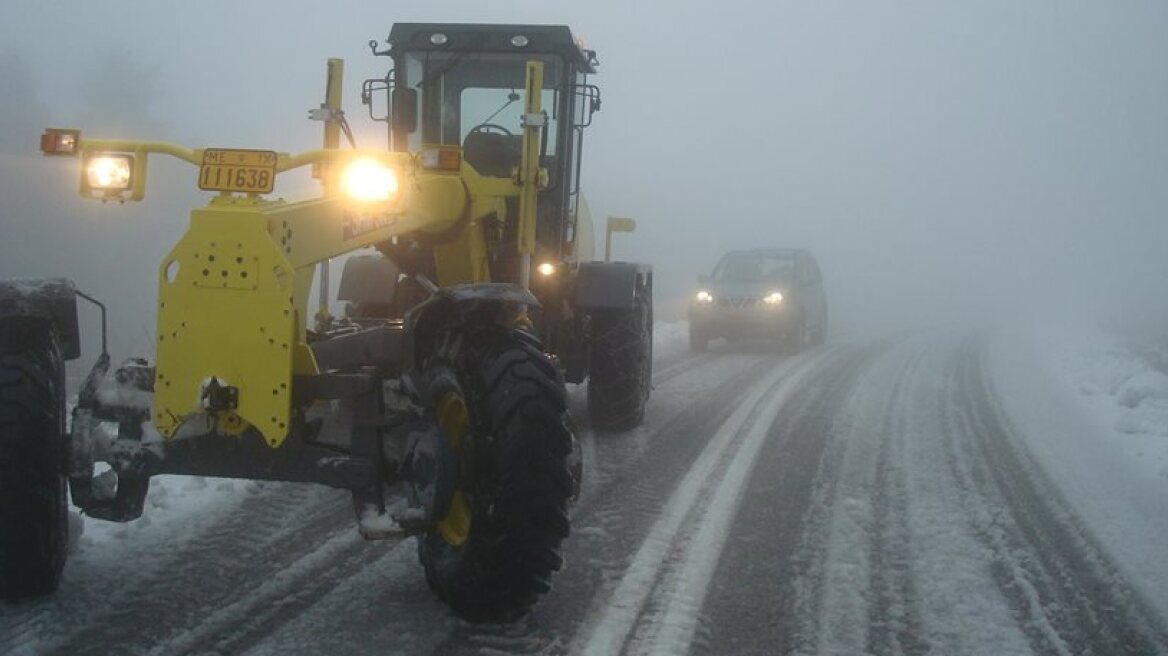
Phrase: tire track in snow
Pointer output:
(621, 610)
(819, 596)
(608, 456)
(672, 632)
(667, 606)
(280, 599)
(106, 607)
(765, 594)
(666, 374)
(826, 562)
(894, 624)
(1065, 594)
(639, 469)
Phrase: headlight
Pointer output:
(109, 172)
(704, 297)
(368, 180)
(546, 269)
(773, 298)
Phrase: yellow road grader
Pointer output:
(437, 397)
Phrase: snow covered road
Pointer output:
(877, 495)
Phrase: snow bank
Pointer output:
(1127, 397)
(1096, 416)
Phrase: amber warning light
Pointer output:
(59, 141)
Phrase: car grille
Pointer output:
(737, 301)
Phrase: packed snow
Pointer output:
(1087, 407)
(1096, 416)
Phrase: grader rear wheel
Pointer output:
(621, 366)
(504, 413)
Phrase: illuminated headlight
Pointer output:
(704, 297)
(109, 172)
(368, 180)
(546, 269)
(773, 298)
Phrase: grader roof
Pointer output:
(543, 39)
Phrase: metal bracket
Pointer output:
(539, 120)
(323, 113)
(218, 397)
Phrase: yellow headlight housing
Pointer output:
(773, 298)
(704, 297)
(369, 181)
(109, 173)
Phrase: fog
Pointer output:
(946, 161)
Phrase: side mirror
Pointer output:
(405, 109)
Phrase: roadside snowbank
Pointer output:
(1096, 416)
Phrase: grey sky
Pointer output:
(944, 159)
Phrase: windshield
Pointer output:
(755, 268)
(464, 94)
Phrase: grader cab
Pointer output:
(470, 296)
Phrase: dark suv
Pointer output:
(766, 293)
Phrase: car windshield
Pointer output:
(755, 268)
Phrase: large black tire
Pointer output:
(514, 477)
(620, 368)
(34, 521)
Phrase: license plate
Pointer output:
(250, 171)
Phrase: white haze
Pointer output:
(947, 161)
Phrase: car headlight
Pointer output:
(109, 172)
(546, 269)
(704, 297)
(368, 180)
(773, 298)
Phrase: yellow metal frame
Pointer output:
(234, 292)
